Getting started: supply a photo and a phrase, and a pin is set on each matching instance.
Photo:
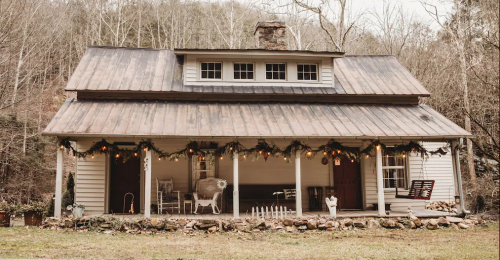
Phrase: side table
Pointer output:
(190, 202)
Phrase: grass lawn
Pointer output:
(477, 243)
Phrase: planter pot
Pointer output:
(4, 219)
(78, 212)
(33, 218)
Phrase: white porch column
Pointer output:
(147, 183)
(380, 183)
(298, 185)
(59, 177)
(236, 195)
(455, 153)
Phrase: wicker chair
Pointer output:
(207, 192)
(166, 196)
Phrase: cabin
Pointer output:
(273, 126)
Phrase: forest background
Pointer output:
(454, 53)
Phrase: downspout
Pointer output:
(458, 173)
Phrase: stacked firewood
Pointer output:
(445, 206)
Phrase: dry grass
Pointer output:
(478, 243)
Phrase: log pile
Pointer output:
(159, 225)
(444, 206)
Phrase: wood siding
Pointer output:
(435, 168)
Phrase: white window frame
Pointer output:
(210, 79)
(253, 71)
(396, 167)
(308, 80)
(272, 63)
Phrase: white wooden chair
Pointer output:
(166, 196)
(206, 194)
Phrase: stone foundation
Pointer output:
(155, 225)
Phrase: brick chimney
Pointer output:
(270, 35)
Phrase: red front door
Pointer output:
(347, 180)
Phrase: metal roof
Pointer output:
(158, 70)
(376, 74)
(176, 119)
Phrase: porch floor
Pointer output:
(424, 213)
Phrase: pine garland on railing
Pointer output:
(332, 149)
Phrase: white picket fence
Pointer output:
(271, 212)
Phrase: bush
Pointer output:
(68, 198)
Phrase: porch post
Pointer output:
(147, 183)
(236, 196)
(380, 183)
(298, 185)
(455, 153)
(59, 177)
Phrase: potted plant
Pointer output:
(33, 213)
(77, 210)
(6, 210)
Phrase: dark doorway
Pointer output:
(125, 177)
(347, 180)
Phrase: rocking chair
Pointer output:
(206, 194)
(420, 190)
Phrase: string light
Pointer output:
(190, 150)
(176, 160)
(135, 154)
(324, 153)
(244, 156)
(260, 152)
(309, 153)
(145, 149)
(221, 157)
(230, 148)
(92, 156)
(159, 159)
(378, 147)
(268, 153)
(284, 158)
(367, 156)
(62, 147)
(117, 155)
(352, 160)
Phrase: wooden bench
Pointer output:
(252, 195)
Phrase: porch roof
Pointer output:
(102, 118)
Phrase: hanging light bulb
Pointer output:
(260, 152)
(404, 155)
(352, 160)
(378, 147)
(61, 147)
(230, 148)
(221, 157)
(284, 158)
(117, 155)
(159, 158)
(190, 150)
(338, 151)
(268, 153)
(176, 160)
(324, 153)
(367, 156)
(92, 156)
(244, 156)
(135, 154)
(309, 153)
(145, 149)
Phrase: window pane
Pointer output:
(282, 75)
(203, 74)
(243, 66)
(307, 76)
(300, 76)
(250, 75)
(236, 75)
(211, 74)
(236, 67)
(243, 75)
(269, 75)
(275, 75)
(211, 66)
(300, 68)
(313, 76)
(269, 67)
(282, 67)
(204, 66)
(250, 67)
(218, 66)
(307, 68)
(313, 68)
(275, 67)
(218, 75)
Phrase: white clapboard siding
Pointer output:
(325, 72)
(435, 168)
(90, 181)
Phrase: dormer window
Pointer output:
(276, 71)
(307, 72)
(211, 70)
(243, 70)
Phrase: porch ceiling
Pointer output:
(176, 119)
